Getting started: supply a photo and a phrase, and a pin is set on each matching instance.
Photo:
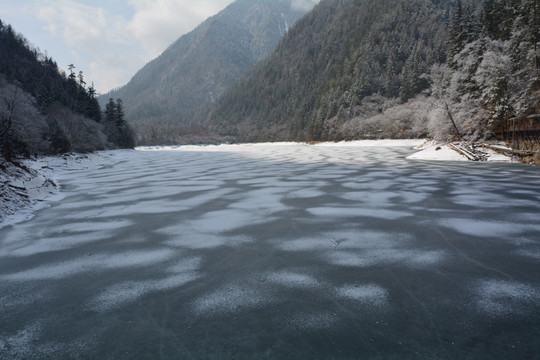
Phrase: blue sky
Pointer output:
(109, 40)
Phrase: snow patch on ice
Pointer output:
(24, 345)
(371, 294)
(86, 226)
(530, 253)
(486, 228)
(231, 298)
(364, 249)
(123, 294)
(221, 221)
(313, 322)
(97, 262)
(342, 152)
(15, 297)
(333, 211)
(186, 265)
(21, 344)
(41, 245)
(346, 240)
(184, 271)
(304, 194)
(500, 297)
(373, 143)
(183, 238)
(293, 280)
(378, 257)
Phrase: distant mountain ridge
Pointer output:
(198, 67)
(340, 53)
(453, 70)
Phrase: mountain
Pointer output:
(198, 67)
(333, 58)
(45, 111)
(450, 70)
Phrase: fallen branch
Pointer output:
(468, 154)
(17, 187)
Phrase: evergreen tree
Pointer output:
(120, 120)
(457, 36)
(93, 110)
(110, 112)
(390, 85)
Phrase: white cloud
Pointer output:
(115, 68)
(83, 26)
(115, 45)
(158, 23)
(78, 25)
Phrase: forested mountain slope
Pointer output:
(339, 53)
(43, 110)
(197, 68)
(378, 68)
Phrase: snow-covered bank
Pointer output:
(32, 184)
(458, 151)
(428, 150)
(359, 143)
(296, 152)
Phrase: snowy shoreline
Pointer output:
(33, 186)
(459, 151)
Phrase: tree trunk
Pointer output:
(449, 113)
(6, 149)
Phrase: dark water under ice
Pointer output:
(278, 252)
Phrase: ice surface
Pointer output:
(24, 345)
(503, 298)
(125, 293)
(533, 253)
(310, 322)
(232, 297)
(364, 249)
(34, 246)
(20, 345)
(182, 237)
(371, 295)
(378, 257)
(304, 193)
(93, 263)
(227, 220)
(290, 243)
(341, 212)
(487, 228)
(293, 280)
(346, 240)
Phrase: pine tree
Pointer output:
(110, 112)
(390, 85)
(93, 110)
(120, 120)
(458, 38)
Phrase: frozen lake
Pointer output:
(278, 252)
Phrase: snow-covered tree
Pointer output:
(22, 127)
(494, 80)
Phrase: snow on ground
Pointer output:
(432, 150)
(24, 188)
(428, 150)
